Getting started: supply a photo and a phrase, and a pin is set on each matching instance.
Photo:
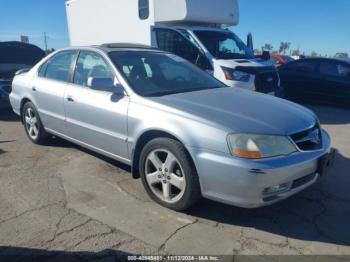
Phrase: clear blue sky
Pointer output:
(319, 25)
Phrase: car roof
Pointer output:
(106, 48)
(199, 28)
(325, 59)
(125, 46)
(110, 47)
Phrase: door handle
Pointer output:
(34, 88)
(70, 99)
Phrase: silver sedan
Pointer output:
(182, 131)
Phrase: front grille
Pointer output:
(266, 82)
(308, 140)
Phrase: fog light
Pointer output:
(276, 189)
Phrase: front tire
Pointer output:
(168, 174)
(33, 125)
(282, 92)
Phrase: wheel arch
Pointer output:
(143, 140)
(23, 102)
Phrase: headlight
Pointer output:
(259, 146)
(235, 75)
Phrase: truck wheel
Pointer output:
(169, 175)
(33, 126)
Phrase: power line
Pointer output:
(45, 37)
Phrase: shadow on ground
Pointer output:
(58, 142)
(12, 254)
(6, 114)
(2, 151)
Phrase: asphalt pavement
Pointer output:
(62, 200)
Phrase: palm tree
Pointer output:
(284, 46)
(267, 47)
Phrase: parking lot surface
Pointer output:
(63, 199)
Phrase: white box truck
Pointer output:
(196, 30)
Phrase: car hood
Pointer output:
(238, 110)
(257, 63)
(16, 55)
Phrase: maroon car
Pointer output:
(279, 60)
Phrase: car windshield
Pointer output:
(224, 45)
(158, 74)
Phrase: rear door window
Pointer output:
(332, 68)
(58, 67)
(303, 66)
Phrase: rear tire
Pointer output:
(33, 125)
(168, 174)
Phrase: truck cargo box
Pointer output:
(220, 12)
(93, 22)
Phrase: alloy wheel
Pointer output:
(165, 176)
(31, 123)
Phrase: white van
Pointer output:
(196, 30)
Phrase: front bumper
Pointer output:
(262, 81)
(244, 182)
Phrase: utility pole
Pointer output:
(45, 37)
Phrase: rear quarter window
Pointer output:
(42, 70)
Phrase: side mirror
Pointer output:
(250, 41)
(118, 90)
(101, 83)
